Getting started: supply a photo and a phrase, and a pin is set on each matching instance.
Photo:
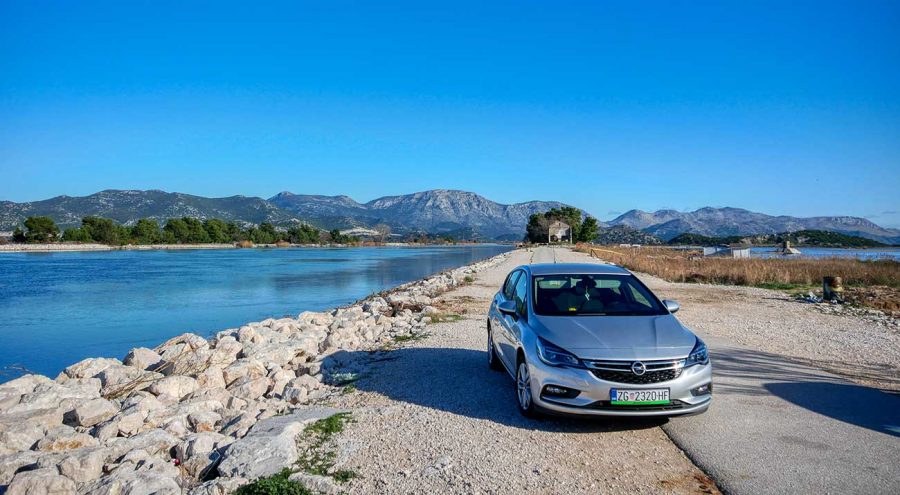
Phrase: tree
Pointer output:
(536, 230)
(588, 230)
(539, 224)
(18, 235)
(177, 230)
(302, 234)
(336, 236)
(382, 230)
(104, 230)
(40, 229)
(76, 234)
(146, 231)
(217, 231)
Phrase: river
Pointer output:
(59, 308)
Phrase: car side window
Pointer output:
(521, 293)
(510, 285)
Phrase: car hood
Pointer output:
(618, 337)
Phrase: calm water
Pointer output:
(866, 254)
(59, 308)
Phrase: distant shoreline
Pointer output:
(74, 247)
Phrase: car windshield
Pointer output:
(580, 295)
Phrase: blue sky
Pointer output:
(779, 107)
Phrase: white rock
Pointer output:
(40, 481)
(270, 446)
(13, 390)
(318, 484)
(248, 388)
(63, 437)
(20, 436)
(174, 386)
(204, 420)
(121, 380)
(219, 486)
(142, 358)
(83, 465)
(200, 450)
(88, 368)
(93, 412)
(11, 463)
(132, 483)
(212, 377)
(131, 420)
(243, 368)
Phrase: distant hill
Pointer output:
(724, 222)
(460, 214)
(438, 211)
(126, 207)
(811, 238)
(623, 234)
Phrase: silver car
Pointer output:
(592, 339)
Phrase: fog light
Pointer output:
(702, 390)
(559, 391)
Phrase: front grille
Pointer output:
(604, 404)
(630, 378)
(621, 371)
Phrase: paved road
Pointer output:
(781, 427)
(777, 426)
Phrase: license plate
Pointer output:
(647, 397)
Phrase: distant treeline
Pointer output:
(812, 238)
(184, 230)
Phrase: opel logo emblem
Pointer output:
(638, 368)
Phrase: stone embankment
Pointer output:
(197, 415)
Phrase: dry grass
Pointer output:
(688, 266)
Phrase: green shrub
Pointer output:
(277, 484)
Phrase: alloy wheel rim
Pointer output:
(490, 347)
(523, 384)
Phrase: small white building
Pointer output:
(559, 232)
(737, 252)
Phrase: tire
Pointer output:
(523, 391)
(493, 360)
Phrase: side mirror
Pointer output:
(508, 308)
(671, 306)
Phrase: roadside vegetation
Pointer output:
(872, 283)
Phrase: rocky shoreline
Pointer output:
(197, 415)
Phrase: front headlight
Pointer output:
(699, 355)
(556, 356)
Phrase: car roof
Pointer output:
(576, 269)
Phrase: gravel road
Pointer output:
(431, 417)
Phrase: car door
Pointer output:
(515, 323)
(501, 323)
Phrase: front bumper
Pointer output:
(594, 396)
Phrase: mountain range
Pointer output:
(724, 222)
(438, 211)
(463, 214)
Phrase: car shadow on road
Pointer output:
(459, 381)
(754, 373)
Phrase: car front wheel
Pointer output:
(493, 359)
(523, 390)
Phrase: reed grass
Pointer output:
(690, 266)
